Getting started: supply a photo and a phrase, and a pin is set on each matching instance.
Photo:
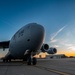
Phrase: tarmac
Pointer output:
(64, 66)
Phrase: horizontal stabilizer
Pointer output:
(4, 44)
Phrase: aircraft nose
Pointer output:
(37, 29)
(37, 33)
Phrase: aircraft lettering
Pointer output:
(21, 33)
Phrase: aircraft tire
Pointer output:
(34, 61)
(3, 60)
(24, 59)
(9, 60)
(6, 60)
(29, 61)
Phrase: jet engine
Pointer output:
(52, 51)
(45, 47)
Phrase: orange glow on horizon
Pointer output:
(67, 53)
(43, 55)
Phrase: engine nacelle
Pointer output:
(45, 47)
(52, 51)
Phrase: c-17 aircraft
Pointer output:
(26, 43)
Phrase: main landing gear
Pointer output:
(6, 60)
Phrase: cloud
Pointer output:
(70, 46)
(54, 40)
(7, 23)
(56, 46)
(54, 35)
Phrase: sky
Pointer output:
(57, 17)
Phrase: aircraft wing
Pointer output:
(4, 44)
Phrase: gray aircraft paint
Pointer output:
(29, 37)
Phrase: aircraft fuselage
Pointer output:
(30, 37)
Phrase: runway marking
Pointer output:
(54, 71)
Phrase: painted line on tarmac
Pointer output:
(52, 70)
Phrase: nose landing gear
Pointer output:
(34, 61)
(31, 60)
